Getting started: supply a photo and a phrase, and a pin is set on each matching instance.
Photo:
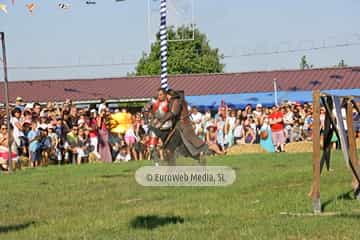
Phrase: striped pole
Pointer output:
(163, 46)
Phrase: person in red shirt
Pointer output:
(277, 128)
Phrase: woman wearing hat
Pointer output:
(211, 140)
(19, 103)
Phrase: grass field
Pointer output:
(103, 201)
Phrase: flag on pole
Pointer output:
(3, 7)
(64, 6)
(31, 7)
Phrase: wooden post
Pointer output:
(352, 143)
(315, 187)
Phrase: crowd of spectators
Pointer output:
(64, 133)
(271, 127)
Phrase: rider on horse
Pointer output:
(158, 131)
(173, 126)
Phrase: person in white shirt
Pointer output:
(230, 123)
(123, 155)
(197, 118)
(258, 112)
(288, 122)
(16, 122)
(239, 132)
(102, 105)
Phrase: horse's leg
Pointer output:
(170, 157)
(155, 156)
(202, 159)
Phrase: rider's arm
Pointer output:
(175, 111)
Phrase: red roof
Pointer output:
(193, 85)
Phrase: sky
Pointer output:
(111, 32)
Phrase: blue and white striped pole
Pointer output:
(163, 46)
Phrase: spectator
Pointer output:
(17, 125)
(322, 124)
(82, 121)
(266, 136)
(334, 141)
(73, 117)
(221, 112)
(84, 143)
(4, 148)
(307, 128)
(277, 127)
(54, 140)
(248, 111)
(61, 136)
(114, 141)
(74, 152)
(220, 124)
(239, 132)
(102, 105)
(211, 140)
(37, 109)
(66, 121)
(34, 145)
(43, 120)
(249, 135)
(356, 123)
(258, 112)
(296, 135)
(130, 140)
(139, 134)
(206, 121)
(197, 118)
(288, 122)
(94, 137)
(238, 114)
(123, 155)
(19, 103)
(45, 146)
(253, 126)
(104, 147)
(230, 122)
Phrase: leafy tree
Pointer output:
(304, 63)
(342, 64)
(184, 57)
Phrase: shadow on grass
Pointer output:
(15, 227)
(349, 215)
(152, 221)
(114, 176)
(280, 166)
(345, 196)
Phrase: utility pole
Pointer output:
(6, 90)
(275, 92)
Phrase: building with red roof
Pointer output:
(247, 87)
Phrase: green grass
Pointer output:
(103, 201)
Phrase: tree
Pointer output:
(342, 64)
(304, 63)
(184, 57)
